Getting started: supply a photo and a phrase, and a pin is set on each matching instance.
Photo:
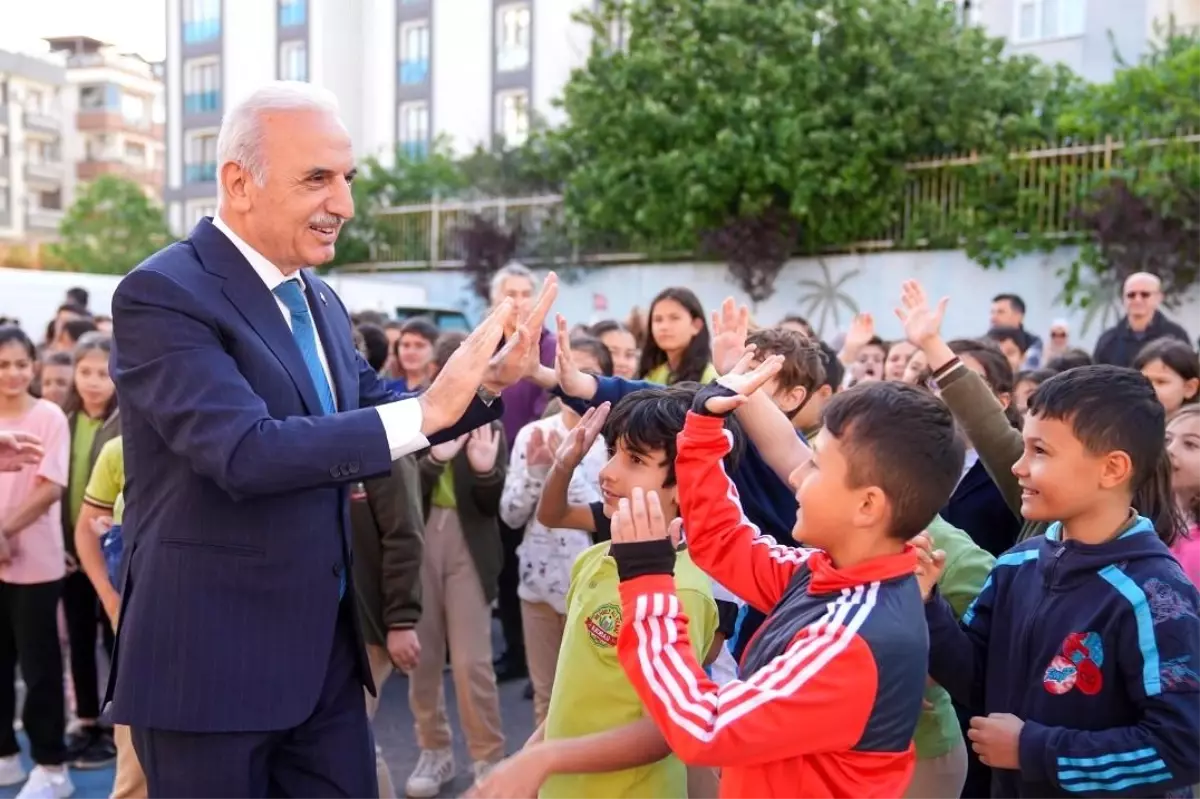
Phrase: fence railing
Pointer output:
(1047, 185)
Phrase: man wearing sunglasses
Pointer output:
(1143, 322)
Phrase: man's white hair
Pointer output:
(511, 269)
(241, 137)
(1148, 277)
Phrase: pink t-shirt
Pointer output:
(1187, 552)
(38, 555)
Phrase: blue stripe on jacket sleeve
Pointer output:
(1147, 644)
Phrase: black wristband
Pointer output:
(712, 391)
(639, 558)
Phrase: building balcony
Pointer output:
(42, 122)
(293, 13)
(414, 72)
(93, 168)
(44, 172)
(44, 219)
(202, 102)
(200, 173)
(99, 120)
(199, 31)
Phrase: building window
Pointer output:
(293, 60)
(135, 153)
(414, 129)
(201, 165)
(1048, 19)
(512, 37)
(512, 116)
(48, 200)
(134, 109)
(201, 20)
(100, 97)
(292, 12)
(414, 52)
(201, 86)
(198, 211)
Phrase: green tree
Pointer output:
(111, 228)
(1143, 213)
(756, 129)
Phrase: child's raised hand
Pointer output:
(922, 324)
(573, 381)
(730, 326)
(640, 518)
(542, 447)
(581, 438)
(743, 382)
(483, 444)
(930, 563)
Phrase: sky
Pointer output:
(133, 25)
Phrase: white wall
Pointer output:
(559, 45)
(462, 71)
(377, 46)
(251, 52)
(869, 282)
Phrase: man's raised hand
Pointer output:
(447, 398)
(520, 356)
(730, 326)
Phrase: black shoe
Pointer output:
(80, 740)
(507, 671)
(100, 752)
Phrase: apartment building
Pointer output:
(118, 101)
(36, 122)
(1077, 32)
(404, 72)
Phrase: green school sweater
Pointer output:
(967, 567)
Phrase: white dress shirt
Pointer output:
(401, 420)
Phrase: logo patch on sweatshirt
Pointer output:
(604, 625)
(1077, 665)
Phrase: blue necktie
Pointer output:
(291, 295)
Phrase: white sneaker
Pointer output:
(434, 770)
(11, 770)
(47, 783)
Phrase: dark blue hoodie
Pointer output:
(1096, 648)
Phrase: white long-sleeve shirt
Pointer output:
(546, 555)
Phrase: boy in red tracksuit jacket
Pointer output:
(831, 684)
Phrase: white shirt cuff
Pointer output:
(402, 425)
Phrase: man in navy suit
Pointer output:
(247, 411)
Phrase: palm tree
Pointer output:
(824, 298)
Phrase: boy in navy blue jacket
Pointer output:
(1081, 652)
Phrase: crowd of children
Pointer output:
(749, 563)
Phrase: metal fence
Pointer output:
(1046, 185)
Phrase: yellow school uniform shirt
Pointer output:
(591, 692)
(661, 373)
(106, 486)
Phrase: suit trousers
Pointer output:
(453, 608)
(331, 754)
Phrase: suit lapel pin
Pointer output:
(322, 296)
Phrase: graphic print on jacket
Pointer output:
(831, 686)
(1096, 648)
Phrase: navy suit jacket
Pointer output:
(237, 514)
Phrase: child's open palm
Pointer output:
(743, 381)
(921, 323)
(483, 444)
(640, 518)
(542, 447)
(730, 326)
(573, 381)
(580, 440)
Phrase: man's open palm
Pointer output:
(447, 398)
(18, 450)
